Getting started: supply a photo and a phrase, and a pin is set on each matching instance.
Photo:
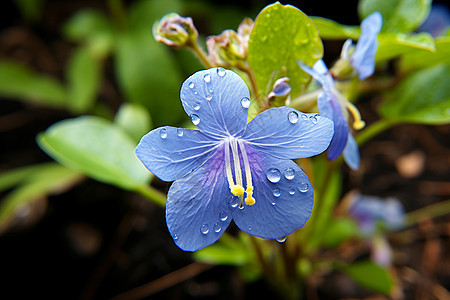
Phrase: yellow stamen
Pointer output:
(357, 122)
(249, 200)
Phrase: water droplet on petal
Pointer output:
(191, 85)
(163, 133)
(209, 97)
(304, 117)
(249, 228)
(221, 72)
(273, 175)
(175, 237)
(313, 119)
(207, 78)
(204, 229)
(289, 173)
(282, 240)
(235, 202)
(196, 106)
(293, 117)
(223, 216)
(195, 119)
(180, 132)
(217, 228)
(291, 191)
(277, 192)
(303, 187)
(245, 102)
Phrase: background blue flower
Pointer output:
(229, 169)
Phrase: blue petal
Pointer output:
(171, 153)
(351, 153)
(283, 203)
(217, 101)
(329, 107)
(197, 209)
(363, 59)
(287, 133)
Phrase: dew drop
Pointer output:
(273, 175)
(207, 78)
(191, 85)
(249, 228)
(282, 240)
(221, 72)
(223, 216)
(217, 228)
(291, 191)
(235, 202)
(163, 133)
(195, 119)
(245, 102)
(196, 106)
(175, 237)
(293, 117)
(289, 173)
(208, 97)
(204, 229)
(180, 132)
(277, 192)
(313, 119)
(304, 117)
(303, 187)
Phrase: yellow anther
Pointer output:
(237, 190)
(357, 122)
(249, 200)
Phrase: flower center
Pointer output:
(236, 184)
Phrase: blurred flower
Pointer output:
(229, 49)
(361, 58)
(438, 20)
(370, 211)
(381, 252)
(229, 169)
(175, 31)
(332, 104)
(281, 90)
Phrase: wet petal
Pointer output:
(197, 209)
(329, 107)
(288, 133)
(363, 59)
(284, 198)
(171, 153)
(217, 100)
(351, 153)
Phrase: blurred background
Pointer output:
(89, 240)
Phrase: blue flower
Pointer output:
(333, 105)
(228, 169)
(363, 57)
(368, 211)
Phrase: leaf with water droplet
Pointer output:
(276, 51)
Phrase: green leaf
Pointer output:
(134, 119)
(280, 36)
(398, 15)
(147, 75)
(10, 178)
(371, 276)
(91, 28)
(422, 97)
(18, 81)
(396, 44)
(37, 182)
(424, 59)
(83, 75)
(332, 30)
(338, 231)
(97, 148)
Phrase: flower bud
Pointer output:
(175, 31)
(280, 91)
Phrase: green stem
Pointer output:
(201, 54)
(374, 129)
(430, 211)
(152, 194)
(305, 100)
